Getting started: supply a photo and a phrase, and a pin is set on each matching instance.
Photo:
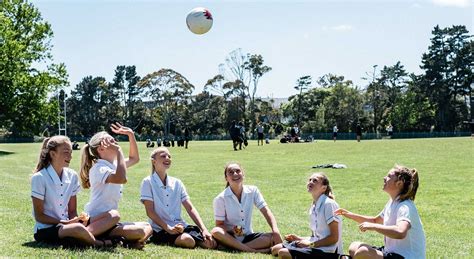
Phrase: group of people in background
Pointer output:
(54, 188)
(181, 138)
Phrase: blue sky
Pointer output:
(296, 38)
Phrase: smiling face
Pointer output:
(315, 185)
(234, 174)
(161, 160)
(62, 155)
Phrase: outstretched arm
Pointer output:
(193, 213)
(358, 218)
(398, 231)
(133, 156)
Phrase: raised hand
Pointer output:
(118, 128)
(341, 211)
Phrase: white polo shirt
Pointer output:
(167, 199)
(320, 215)
(414, 244)
(104, 196)
(54, 192)
(227, 208)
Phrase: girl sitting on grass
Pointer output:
(326, 228)
(104, 170)
(162, 196)
(399, 221)
(53, 190)
(233, 213)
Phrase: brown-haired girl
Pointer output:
(399, 221)
(163, 196)
(326, 228)
(104, 170)
(53, 189)
(233, 214)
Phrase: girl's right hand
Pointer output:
(175, 230)
(292, 237)
(341, 212)
(110, 143)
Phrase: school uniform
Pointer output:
(104, 196)
(414, 244)
(321, 214)
(167, 199)
(55, 193)
(237, 216)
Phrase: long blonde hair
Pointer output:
(325, 181)
(49, 144)
(410, 181)
(90, 156)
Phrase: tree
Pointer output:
(169, 90)
(254, 65)
(448, 66)
(302, 84)
(24, 42)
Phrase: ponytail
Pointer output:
(90, 156)
(410, 182)
(49, 144)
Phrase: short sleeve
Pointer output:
(329, 208)
(99, 174)
(38, 188)
(76, 188)
(219, 208)
(258, 199)
(145, 190)
(184, 194)
(403, 213)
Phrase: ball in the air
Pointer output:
(199, 20)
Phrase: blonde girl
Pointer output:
(104, 170)
(53, 190)
(233, 214)
(326, 228)
(163, 196)
(399, 221)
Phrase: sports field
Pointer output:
(444, 198)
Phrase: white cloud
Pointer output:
(453, 3)
(342, 27)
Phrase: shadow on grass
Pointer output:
(75, 247)
(4, 153)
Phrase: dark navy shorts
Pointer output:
(163, 237)
(48, 235)
(308, 252)
(388, 255)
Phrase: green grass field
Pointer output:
(444, 198)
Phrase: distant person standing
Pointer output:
(358, 132)
(259, 130)
(243, 136)
(187, 137)
(390, 130)
(334, 132)
(234, 133)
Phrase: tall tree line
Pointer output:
(163, 103)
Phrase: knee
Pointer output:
(76, 230)
(284, 253)
(186, 241)
(114, 216)
(276, 249)
(354, 246)
(217, 233)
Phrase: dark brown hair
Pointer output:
(410, 181)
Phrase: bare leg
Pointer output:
(284, 254)
(262, 242)
(79, 232)
(103, 222)
(185, 240)
(136, 233)
(359, 250)
(276, 248)
(228, 240)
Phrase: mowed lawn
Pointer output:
(444, 198)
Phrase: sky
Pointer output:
(295, 38)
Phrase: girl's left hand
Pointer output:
(366, 226)
(208, 240)
(303, 243)
(118, 128)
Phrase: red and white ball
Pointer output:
(199, 20)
